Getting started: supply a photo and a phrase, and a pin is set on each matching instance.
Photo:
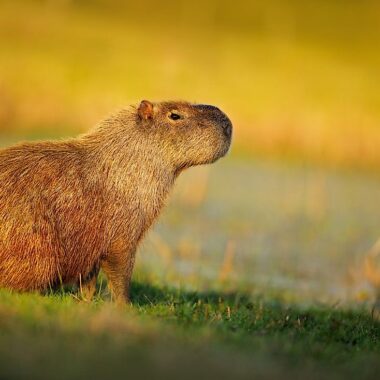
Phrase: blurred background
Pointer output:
(294, 209)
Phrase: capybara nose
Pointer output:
(227, 127)
(218, 116)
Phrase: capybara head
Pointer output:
(188, 134)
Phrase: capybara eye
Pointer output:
(174, 116)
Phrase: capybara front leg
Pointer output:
(118, 267)
(87, 285)
(88, 289)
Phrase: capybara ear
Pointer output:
(145, 110)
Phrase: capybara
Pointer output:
(70, 208)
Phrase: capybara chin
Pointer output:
(69, 208)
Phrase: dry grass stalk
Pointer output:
(228, 262)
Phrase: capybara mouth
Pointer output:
(227, 145)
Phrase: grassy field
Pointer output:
(174, 333)
(259, 267)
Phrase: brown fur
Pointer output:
(69, 208)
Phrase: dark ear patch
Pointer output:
(145, 110)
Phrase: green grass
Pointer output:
(171, 333)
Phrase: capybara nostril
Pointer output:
(227, 128)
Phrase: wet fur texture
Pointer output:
(69, 208)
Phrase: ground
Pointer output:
(170, 333)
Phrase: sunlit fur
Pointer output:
(69, 208)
